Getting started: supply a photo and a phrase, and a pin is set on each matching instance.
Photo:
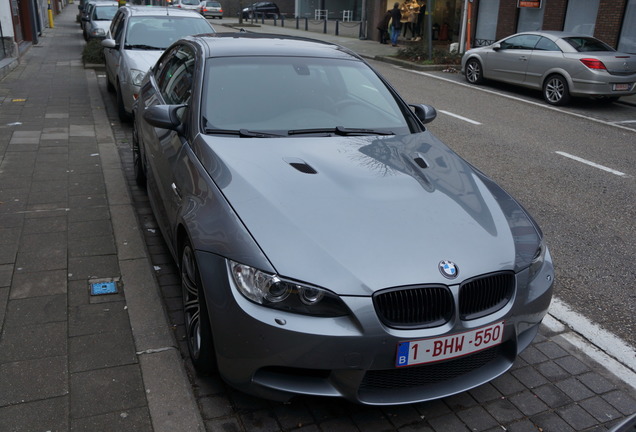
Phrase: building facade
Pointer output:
(612, 21)
(468, 22)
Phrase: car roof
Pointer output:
(262, 44)
(554, 34)
(161, 11)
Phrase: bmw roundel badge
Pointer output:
(448, 269)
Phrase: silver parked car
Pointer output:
(212, 9)
(99, 19)
(328, 243)
(561, 64)
(194, 5)
(136, 38)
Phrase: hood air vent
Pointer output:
(301, 165)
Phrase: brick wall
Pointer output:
(507, 23)
(609, 21)
(554, 14)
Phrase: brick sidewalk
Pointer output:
(70, 360)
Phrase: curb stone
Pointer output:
(171, 401)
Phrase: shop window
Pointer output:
(486, 31)
(581, 16)
(530, 19)
(627, 40)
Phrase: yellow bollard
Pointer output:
(51, 25)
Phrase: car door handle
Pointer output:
(176, 191)
(523, 58)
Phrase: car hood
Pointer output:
(358, 214)
(141, 59)
(102, 24)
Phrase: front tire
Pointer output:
(195, 314)
(556, 90)
(474, 72)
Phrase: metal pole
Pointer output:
(462, 37)
(362, 34)
(430, 30)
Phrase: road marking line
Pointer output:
(592, 164)
(542, 105)
(460, 117)
(614, 353)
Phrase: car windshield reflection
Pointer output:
(281, 94)
(158, 32)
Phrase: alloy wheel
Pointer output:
(473, 72)
(191, 307)
(555, 91)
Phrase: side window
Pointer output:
(546, 44)
(117, 26)
(174, 77)
(526, 42)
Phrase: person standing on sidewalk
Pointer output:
(384, 28)
(396, 25)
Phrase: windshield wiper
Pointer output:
(143, 47)
(243, 133)
(340, 130)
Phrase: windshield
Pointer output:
(282, 94)
(161, 31)
(104, 13)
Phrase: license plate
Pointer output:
(620, 87)
(448, 347)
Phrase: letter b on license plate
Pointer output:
(448, 347)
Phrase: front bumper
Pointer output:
(275, 354)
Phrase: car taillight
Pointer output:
(593, 63)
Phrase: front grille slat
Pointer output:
(433, 305)
(485, 295)
(414, 307)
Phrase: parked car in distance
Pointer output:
(328, 243)
(85, 10)
(80, 9)
(259, 9)
(194, 5)
(212, 9)
(560, 64)
(136, 38)
(99, 19)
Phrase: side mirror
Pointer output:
(165, 116)
(425, 113)
(496, 47)
(109, 43)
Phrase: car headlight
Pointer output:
(537, 261)
(136, 76)
(98, 32)
(274, 292)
